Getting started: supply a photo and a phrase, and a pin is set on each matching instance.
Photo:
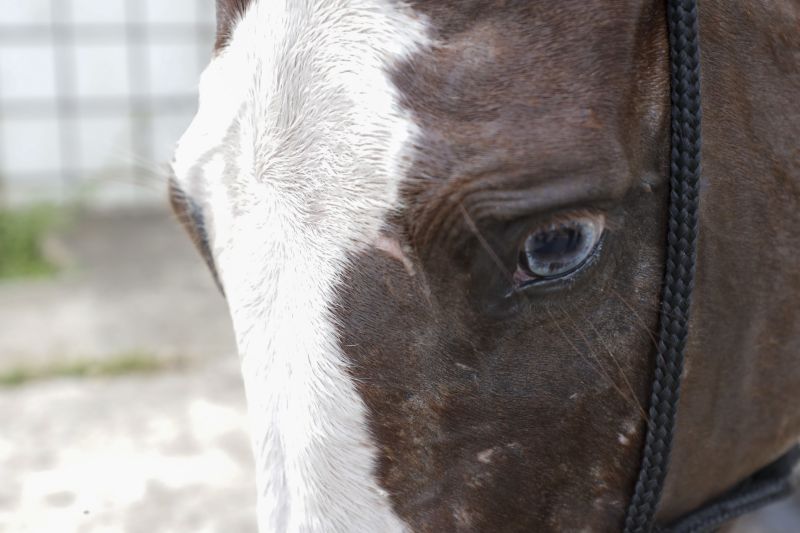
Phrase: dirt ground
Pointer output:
(140, 454)
(162, 452)
(166, 451)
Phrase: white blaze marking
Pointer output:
(295, 157)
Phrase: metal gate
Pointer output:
(94, 93)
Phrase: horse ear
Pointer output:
(228, 14)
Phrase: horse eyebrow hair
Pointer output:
(523, 202)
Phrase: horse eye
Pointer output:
(558, 249)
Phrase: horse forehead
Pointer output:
(505, 60)
(522, 89)
(497, 60)
(298, 100)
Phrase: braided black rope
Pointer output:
(680, 263)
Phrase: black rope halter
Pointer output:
(772, 482)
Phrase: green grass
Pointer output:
(22, 234)
(121, 365)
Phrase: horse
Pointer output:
(439, 228)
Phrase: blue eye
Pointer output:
(560, 248)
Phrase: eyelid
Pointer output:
(563, 217)
(191, 217)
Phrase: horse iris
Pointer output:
(558, 249)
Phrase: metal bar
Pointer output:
(65, 68)
(38, 35)
(204, 35)
(3, 184)
(47, 175)
(99, 106)
(138, 84)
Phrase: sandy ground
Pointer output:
(159, 453)
(143, 454)
(131, 283)
(163, 452)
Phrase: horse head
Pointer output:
(439, 227)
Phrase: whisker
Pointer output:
(599, 365)
(142, 163)
(642, 410)
(136, 181)
(636, 315)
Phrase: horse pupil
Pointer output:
(558, 250)
(555, 244)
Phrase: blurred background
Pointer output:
(120, 399)
(121, 404)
